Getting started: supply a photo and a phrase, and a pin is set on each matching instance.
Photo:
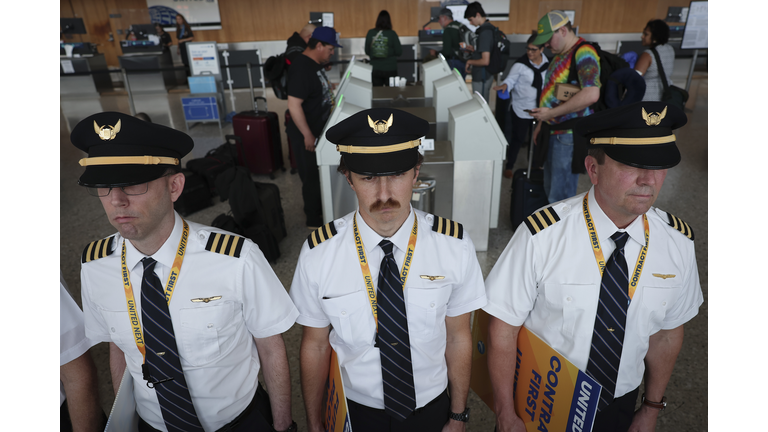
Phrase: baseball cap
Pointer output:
(327, 35)
(548, 24)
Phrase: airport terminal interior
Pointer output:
(82, 218)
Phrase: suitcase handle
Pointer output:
(530, 150)
(256, 104)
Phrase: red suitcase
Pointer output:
(260, 149)
(291, 156)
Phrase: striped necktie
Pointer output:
(163, 363)
(610, 322)
(393, 341)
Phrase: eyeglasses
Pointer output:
(132, 190)
(139, 189)
(532, 49)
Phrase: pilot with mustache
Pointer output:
(389, 288)
(604, 278)
(192, 313)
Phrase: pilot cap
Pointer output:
(639, 135)
(124, 150)
(379, 141)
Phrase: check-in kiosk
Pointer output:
(447, 92)
(359, 70)
(430, 72)
(337, 197)
(355, 91)
(479, 148)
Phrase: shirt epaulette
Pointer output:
(541, 219)
(679, 224)
(98, 249)
(225, 244)
(448, 227)
(321, 234)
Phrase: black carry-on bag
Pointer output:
(527, 189)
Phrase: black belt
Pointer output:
(417, 411)
(229, 427)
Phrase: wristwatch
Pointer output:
(658, 405)
(462, 417)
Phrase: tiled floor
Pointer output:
(684, 194)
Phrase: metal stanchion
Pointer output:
(690, 72)
(128, 89)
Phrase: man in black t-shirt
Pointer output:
(310, 100)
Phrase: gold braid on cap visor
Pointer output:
(376, 150)
(129, 160)
(633, 141)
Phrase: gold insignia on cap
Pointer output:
(654, 119)
(106, 132)
(381, 126)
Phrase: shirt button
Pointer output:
(568, 299)
(113, 329)
(341, 223)
(663, 303)
(566, 208)
(432, 305)
(343, 312)
(202, 236)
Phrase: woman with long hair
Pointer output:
(655, 37)
(382, 45)
(184, 35)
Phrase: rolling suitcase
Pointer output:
(527, 190)
(260, 149)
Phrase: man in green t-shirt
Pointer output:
(451, 39)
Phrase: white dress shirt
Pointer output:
(72, 341)
(328, 288)
(551, 283)
(215, 339)
(519, 83)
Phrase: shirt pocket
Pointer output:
(426, 311)
(120, 329)
(568, 306)
(656, 301)
(207, 332)
(351, 318)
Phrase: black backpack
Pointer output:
(276, 71)
(620, 85)
(499, 52)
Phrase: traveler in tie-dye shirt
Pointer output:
(561, 171)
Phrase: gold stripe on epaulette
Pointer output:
(680, 225)
(321, 234)
(541, 219)
(225, 244)
(448, 227)
(97, 249)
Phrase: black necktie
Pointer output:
(162, 362)
(394, 343)
(610, 322)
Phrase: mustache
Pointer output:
(379, 204)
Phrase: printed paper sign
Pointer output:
(551, 394)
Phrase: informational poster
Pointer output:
(200, 14)
(123, 417)
(696, 33)
(336, 417)
(550, 393)
(203, 58)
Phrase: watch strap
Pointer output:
(658, 405)
(462, 417)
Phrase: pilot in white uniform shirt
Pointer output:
(324, 294)
(214, 337)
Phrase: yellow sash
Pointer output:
(361, 256)
(595, 242)
(173, 277)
